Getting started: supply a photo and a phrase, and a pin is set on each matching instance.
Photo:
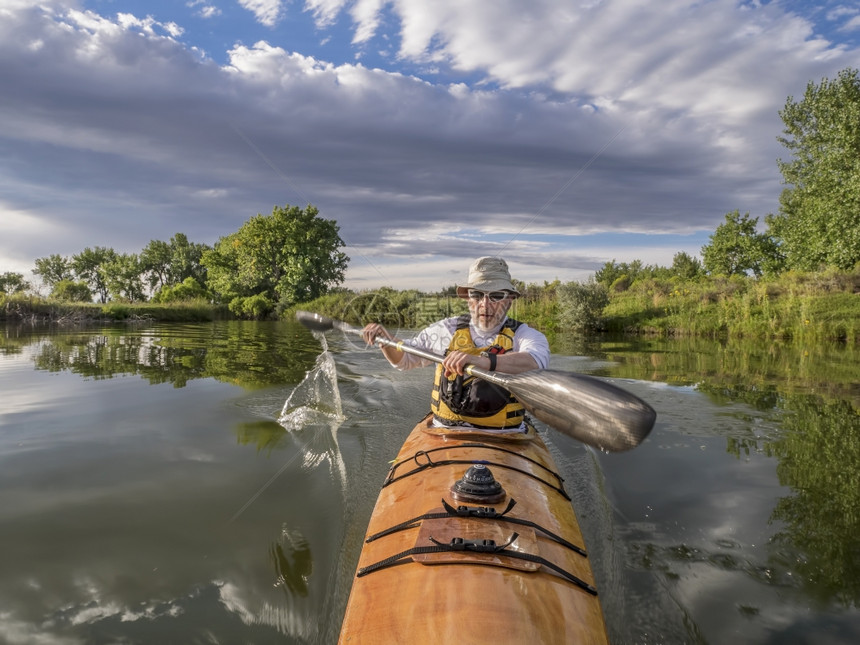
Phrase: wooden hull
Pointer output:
(473, 596)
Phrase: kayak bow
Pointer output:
(494, 505)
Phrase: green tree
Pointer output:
(686, 266)
(88, 266)
(287, 257)
(167, 264)
(12, 282)
(737, 248)
(612, 271)
(72, 291)
(185, 260)
(155, 264)
(222, 267)
(122, 275)
(819, 219)
(53, 269)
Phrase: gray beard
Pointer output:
(484, 330)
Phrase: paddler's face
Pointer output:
(488, 310)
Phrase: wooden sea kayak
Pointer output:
(473, 540)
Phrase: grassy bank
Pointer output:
(36, 310)
(803, 306)
(820, 306)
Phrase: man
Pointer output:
(486, 338)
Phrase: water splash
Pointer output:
(316, 403)
(316, 400)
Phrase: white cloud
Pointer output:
(267, 12)
(367, 18)
(324, 11)
(148, 25)
(851, 25)
(842, 11)
(14, 631)
(206, 10)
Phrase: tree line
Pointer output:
(272, 261)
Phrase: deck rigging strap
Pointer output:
(429, 463)
(487, 446)
(477, 512)
(477, 546)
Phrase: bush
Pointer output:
(188, 289)
(621, 283)
(70, 291)
(253, 307)
(581, 305)
(116, 311)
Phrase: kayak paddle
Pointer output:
(592, 411)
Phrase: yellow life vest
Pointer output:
(466, 400)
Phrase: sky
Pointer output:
(558, 134)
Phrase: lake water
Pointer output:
(149, 494)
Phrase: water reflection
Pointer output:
(819, 459)
(248, 354)
(739, 369)
(293, 563)
(814, 392)
(264, 434)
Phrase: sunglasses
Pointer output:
(494, 296)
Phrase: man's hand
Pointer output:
(372, 331)
(455, 362)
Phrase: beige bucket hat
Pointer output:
(488, 274)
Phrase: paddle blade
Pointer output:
(583, 407)
(315, 322)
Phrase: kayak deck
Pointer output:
(521, 575)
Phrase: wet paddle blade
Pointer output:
(316, 322)
(588, 409)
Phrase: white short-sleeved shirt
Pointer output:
(437, 337)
